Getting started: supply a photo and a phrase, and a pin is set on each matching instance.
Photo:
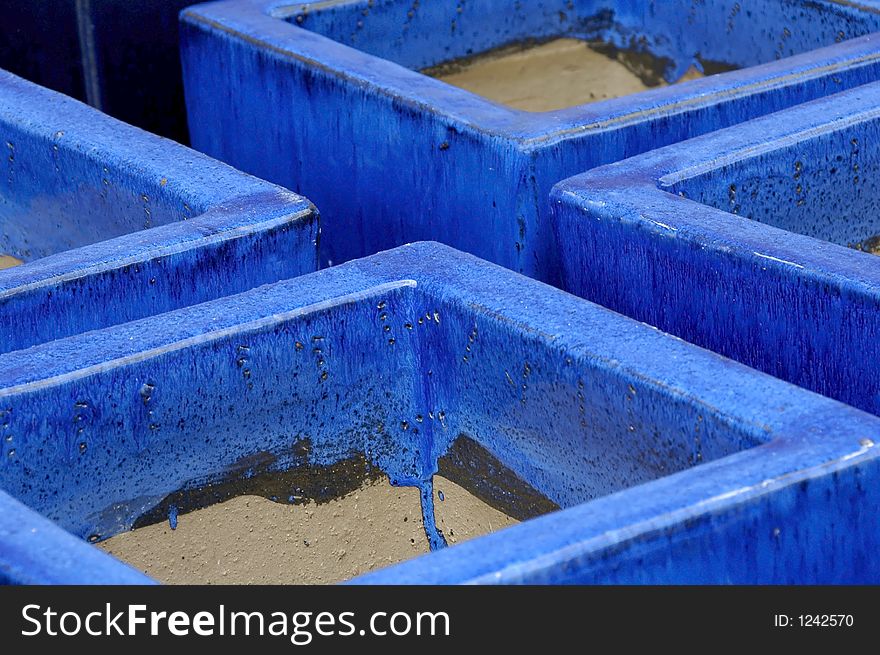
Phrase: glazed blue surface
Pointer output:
(736, 241)
(36, 551)
(304, 93)
(667, 457)
(115, 224)
(119, 56)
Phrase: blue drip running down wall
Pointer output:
(652, 446)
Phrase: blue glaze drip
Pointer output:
(172, 517)
(568, 395)
(436, 540)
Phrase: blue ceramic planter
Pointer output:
(736, 241)
(115, 224)
(306, 93)
(119, 56)
(674, 464)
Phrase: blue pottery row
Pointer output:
(121, 57)
(737, 241)
(115, 224)
(306, 93)
(672, 463)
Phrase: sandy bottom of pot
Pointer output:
(554, 75)
(252, 540)
(8, 261)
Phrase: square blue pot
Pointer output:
(326, 99)
(115, 224)
(737, 241)
(671, 463)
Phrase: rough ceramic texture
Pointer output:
(301, 94)
(670, 458)
(780, 292)
(119, 56)
(116, 224)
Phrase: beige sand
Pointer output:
(461, 516)
(251, 540)
(557, 74)
(8, 261)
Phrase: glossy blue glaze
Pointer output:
(304, 93)
(119, 56)
(36, 551)
(672, 461)
(115, 224)
(667, 238)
